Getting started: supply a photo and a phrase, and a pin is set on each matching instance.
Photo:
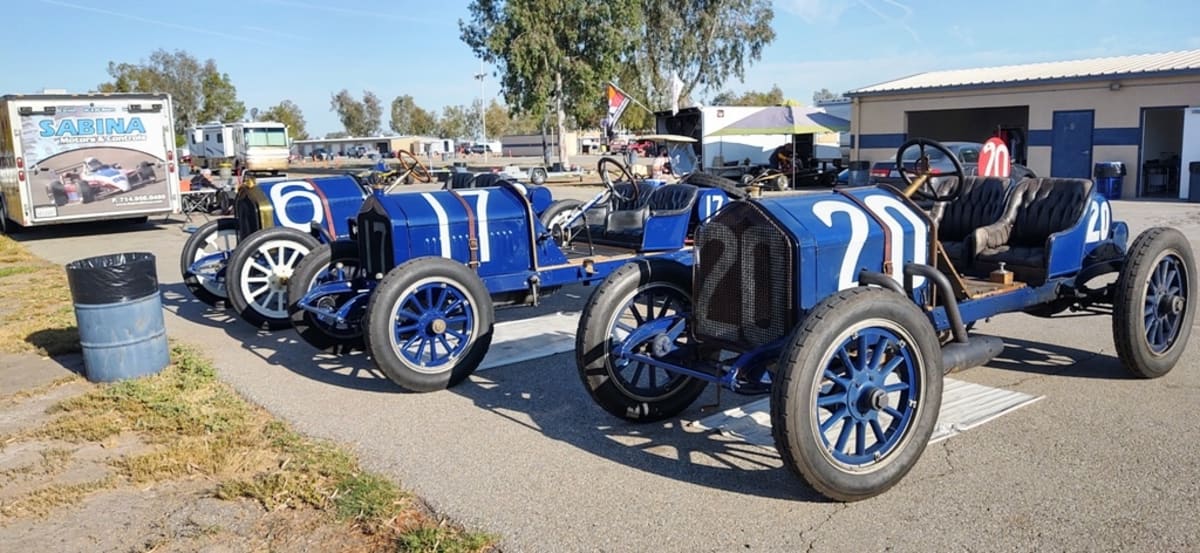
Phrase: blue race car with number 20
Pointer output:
(848, 307)
(430, 267)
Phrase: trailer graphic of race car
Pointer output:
(94, 179)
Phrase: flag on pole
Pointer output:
(676, 92)
(618, 100)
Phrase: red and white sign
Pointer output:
(994, 160)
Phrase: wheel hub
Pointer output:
(278, 279)
(1170, 305)
(660, 346)
(437, 326)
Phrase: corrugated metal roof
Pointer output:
(1095, 68)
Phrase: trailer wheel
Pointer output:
(322, 265)
(259, 271)
(213, 237)
(653, 296)
(430, 323)
(1155, 302)
(864, 364)
(537, 175)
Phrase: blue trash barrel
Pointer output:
(1108, 176)
(119, 312)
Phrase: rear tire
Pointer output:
(259, 271)
(86, 193)
(211, 237)
(314, 268)
(1155, 302)
(705, 180)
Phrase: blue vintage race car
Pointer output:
(426, 269)
(849, 306)
(249, 259)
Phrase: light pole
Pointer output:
(482, 112)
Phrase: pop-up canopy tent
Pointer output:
(785, 120)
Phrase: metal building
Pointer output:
(1059, 118)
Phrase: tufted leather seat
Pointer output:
(980, 203)
(1036, 209)
(599, 215)
(665, 200)
(461, 179)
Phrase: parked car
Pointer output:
(321, 154)
(480, 148)
(885, 172)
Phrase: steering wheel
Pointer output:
(413, 166)
(619, 170)
(920, 183)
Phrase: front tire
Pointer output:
(312, 270)
(429, 324)
(259, 272)
(212, 237)
(625, 301)
(864, 362)
(1154, 304)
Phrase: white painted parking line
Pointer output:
(533, 338)
(964, 406)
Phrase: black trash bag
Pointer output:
(113, 278)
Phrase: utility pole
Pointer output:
(482, 112)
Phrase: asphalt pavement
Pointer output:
(1104, 462)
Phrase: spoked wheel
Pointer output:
(213, 237)
(259, 272)
(858, 393)
(641, 309)
(556, 217)
(1154, 305)
(327, 263)
(430, 324)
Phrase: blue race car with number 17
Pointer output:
(432, 266)
(848, 307)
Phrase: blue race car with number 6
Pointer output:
(848, 308)
(425, 271)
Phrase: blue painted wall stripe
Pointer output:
(885, 140)
(1115, 136)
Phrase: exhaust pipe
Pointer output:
(957, 356)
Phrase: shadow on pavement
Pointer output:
(1057, 360)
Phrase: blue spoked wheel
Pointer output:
(1154, 302)
(429, 324)
(328, 262)
(640, 311)
(857, 393)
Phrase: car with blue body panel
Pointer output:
(420, 281)
(849, 306)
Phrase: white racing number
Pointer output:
(481, 222)
(881, 207)
(712, 203)
(285, 194)
(1099, 220)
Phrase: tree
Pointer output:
(337, 134)
(455, 122)
(409, 118)
(560, 53)
(499, 120)
(774, 97)
(199, 92)
(704, 43)
(358, 117)
(288, 113)
(824, 94)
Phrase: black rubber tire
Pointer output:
(380, 323)
(194, 244)
(58, 194)
(801, 366)
(86, 193)
(242, 256)
(592, 337)
(556, 209)
(318, 335)
(537, 175)
(705, 180)
(1128, 319)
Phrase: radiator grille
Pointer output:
(246, 211)
(744, 278)
(375, 239)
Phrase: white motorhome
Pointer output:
(260, 147)
(83, 157)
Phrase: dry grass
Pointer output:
(43, 501)
(37, 315)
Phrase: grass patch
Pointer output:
(43, 501)
(199, 427)
(37, 391)
(37, 315)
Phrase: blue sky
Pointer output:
(305, 50)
